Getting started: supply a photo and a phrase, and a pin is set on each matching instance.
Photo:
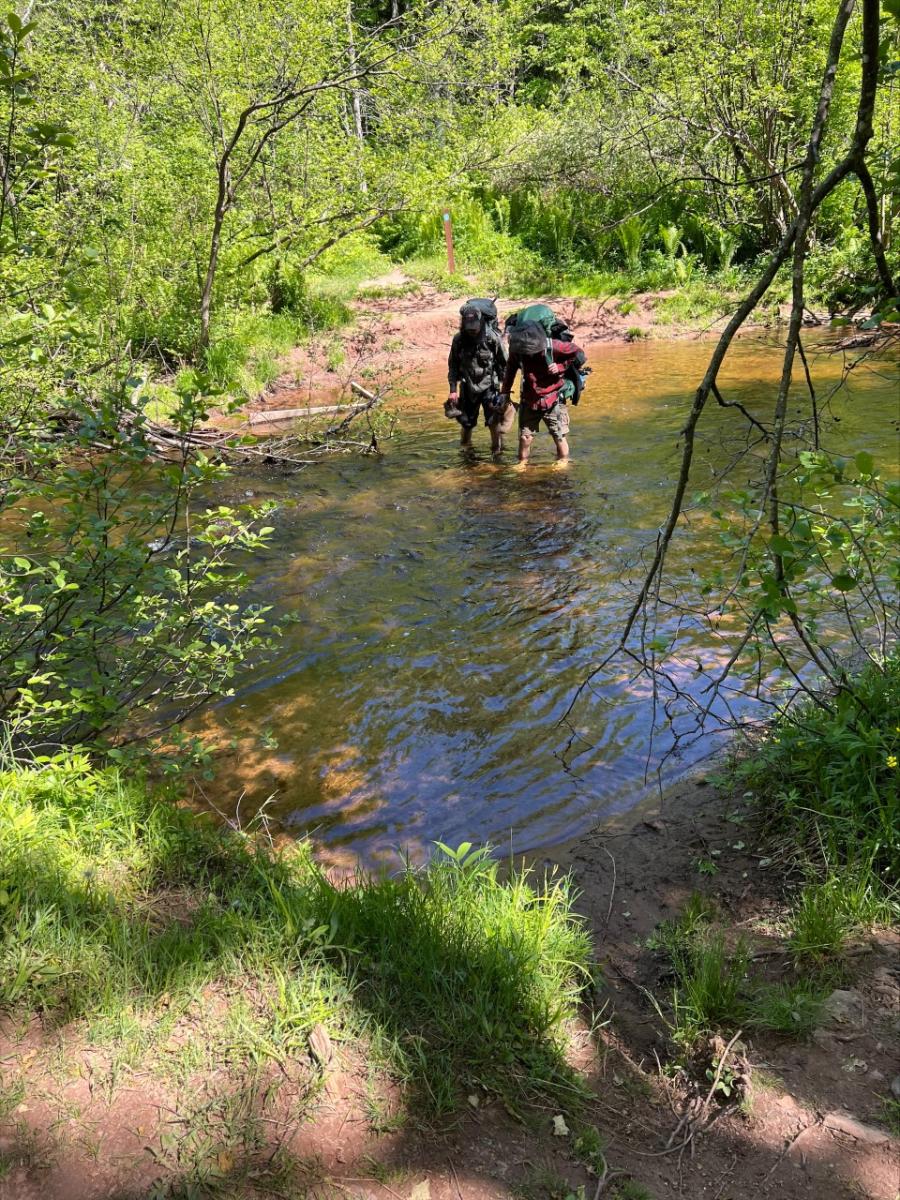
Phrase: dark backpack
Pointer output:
(487, 311)
(527, 338)
(577, 373)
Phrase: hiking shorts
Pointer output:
(495, 418)
(556, 419)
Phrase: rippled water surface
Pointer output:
(443, 610)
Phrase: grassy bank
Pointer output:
(828, 782)
(203, 993)
(824, 789)
(180, 945)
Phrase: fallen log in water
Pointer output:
(266, 416)
(280, 450)
(270, 416)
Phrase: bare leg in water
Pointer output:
(525, 440)
(499, 427)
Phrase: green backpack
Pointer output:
(544, 316)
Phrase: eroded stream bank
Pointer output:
(443, 608)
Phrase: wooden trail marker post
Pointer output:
(448, 237)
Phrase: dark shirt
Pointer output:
(540, 387)
(477, 363)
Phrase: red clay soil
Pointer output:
(326, 1125)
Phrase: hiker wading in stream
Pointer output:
(474, 370)
(548, 365)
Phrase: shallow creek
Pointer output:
(443, 609)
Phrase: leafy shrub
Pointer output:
(831, 776)
(111, 617)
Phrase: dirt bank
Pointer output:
(811, 1124)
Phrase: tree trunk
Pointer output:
(223, 202)
(355, 96)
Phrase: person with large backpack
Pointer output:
(474, 369)
(552, 366)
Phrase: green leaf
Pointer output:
(865, 463)
(14, 21)
(844, 582)
(780, 545)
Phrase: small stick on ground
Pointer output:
(726, 1175)
(606, 1178)
(455, 1178)
(612, 890)
(791, 1144)
(693, 1121)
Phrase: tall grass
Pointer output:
(717, 988)
(248, 348)
(711, 992)
(484, 971)
(115, 903)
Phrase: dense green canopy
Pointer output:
(166, 161)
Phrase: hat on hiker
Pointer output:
(471, 320)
